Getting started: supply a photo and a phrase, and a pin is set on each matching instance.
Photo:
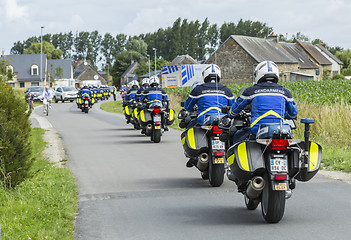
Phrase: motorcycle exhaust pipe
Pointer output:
(202, 161)
(148, 129)
(255, 187)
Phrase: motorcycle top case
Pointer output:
(245, 158)
(144, 117)
(194, 141)
(314, 161)
(170, 118)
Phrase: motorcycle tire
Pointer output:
(272, 203)
(251, 204)
(215, 174)
(156, 135)
(86, 110)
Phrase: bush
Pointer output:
(15, 149)
(338, 76)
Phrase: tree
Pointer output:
(107, 44)
(213, 35)
(138, 46)
(48, 48)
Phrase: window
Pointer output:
(34, 84)
(21, 84)
(35, 70)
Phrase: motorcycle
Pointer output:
(84, 103)
(265, 168)
(155, 118)
(203, 146)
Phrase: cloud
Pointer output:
(15, 12)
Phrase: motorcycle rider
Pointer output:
(145, 83)
(209, 98)
(85, 91)
(270, 102)
(131, 93)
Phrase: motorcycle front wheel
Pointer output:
(215, 174)
(273, 202)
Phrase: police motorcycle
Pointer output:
(202, 144)
(85, 101)
(154, 118)
(265, 168)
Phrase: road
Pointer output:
(131, 188)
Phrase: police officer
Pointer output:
(209, 96)
(270, 102)
(128, 100)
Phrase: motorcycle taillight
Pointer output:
(86, 98)
(215, 129)
(157, 110)
(279, 144)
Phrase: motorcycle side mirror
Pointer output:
(225, 109)
(182, 104)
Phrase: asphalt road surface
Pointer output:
(132, 188)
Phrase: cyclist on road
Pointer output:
(47, 96)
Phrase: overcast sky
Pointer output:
(328, 20)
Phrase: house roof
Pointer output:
(295, 51)
(151, 74)
(22, 64)
(130, 69)
(323, 49)
(314, 53)
(262, 49)
(65, 64)
(183, 59)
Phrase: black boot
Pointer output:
(191, 162)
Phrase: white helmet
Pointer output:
(154, 81)
(211, 72)
(266, 71)
(134, 84)
(145, 81)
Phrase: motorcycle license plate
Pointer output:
(218, 160)
(280, 186)
(157, 127)
(279, 165)
(157, 118)
(217, 145)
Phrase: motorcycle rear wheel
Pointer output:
(156, 135)
(273, 202)
(215, 174)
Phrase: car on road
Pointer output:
(65, 94)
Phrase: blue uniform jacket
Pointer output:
(210, 97)
(270, 103)
(154, 94)
(131, 95)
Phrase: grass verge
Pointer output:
(113, 106)
(44, 205)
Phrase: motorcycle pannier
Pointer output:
(194, 140)
(245, 158)
(314, 161)
(128, 111)
(170, 118)
(144, 117)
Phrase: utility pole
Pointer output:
(149, 63)
(41, 55)
(155, 59)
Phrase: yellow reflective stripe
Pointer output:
(191, 138)
(231, 159)
(314, 151)
(242, 154)
(155, 101)
(171, 115)
(270, 112)
(142, 116)
(183, 140)
(209, 109)
(136, 112)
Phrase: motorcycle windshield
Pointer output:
(210, 118)
(155, 105)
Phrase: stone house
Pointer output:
(129, 74)
(239, 55)
(336, 63)
(83, 70)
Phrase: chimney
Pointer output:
(273, 37)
